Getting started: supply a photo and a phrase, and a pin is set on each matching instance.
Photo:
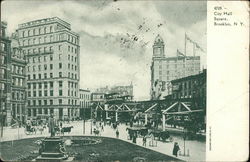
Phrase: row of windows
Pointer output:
(85, 96)
(17, 53)
(84, 104)
(16, 95)
(45, 67)
(60, 75)
(17, 69)
(18, 81)
(37, 31)
(45, 49)
(50, 84)
(51, 93)
(50, 102)
(45, 30)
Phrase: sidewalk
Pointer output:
(197, 150)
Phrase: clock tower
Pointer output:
(158, 47)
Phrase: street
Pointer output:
(196, 149)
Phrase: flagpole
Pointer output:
(185, 53)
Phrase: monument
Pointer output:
(52, 148)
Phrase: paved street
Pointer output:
(196, 149)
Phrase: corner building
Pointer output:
(165, 69)
(52, 51)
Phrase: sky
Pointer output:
(116, 37)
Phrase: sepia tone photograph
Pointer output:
(103, 80)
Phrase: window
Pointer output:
(68, 66)
(60, 74)
(51, 102)
(51, 75)
(29, 103)
(68, 57)
(45, 102)
(68, 48)
(75, 59)
(45, 49)
(45, 93)
(45, 29)
(75, 50)
(39, 59)
(45, 75)
(51, 93)
(28, 32)
(39, 30)
(39, 76)
(45, 58)
(28, 85)
(39, 40)
(75, 68)
(23, 33)
(34, 76)
(39, 85)
(68, 74)
(45, 66)
(51, 84)
(28, 77)
(45, 85)
(50, 49)
(34, 68)
(60, 92)
(60, 101)
(34, 85)
(72, 67)
(50, 29)
(34, 41)
(60, 65)
(39, 67)
(51, 66)
(29, 94)
(45, 39)
(34, 59)
(34, 102)
(34, 93)
(59, 47)
(72, 58)
(28, 68)
(60, 56)
(34, 31)
(40, 93)
(60, 84)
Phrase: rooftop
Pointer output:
(43, 22)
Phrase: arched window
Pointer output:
(45, 30)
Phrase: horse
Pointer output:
(66, 129)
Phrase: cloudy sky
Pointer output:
(116, 37)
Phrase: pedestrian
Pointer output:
(117, 133)
(176, 149)
(134, 139)
(102, 127)
(144, 141)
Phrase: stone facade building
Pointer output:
(85, 101)
(18, 83)
(164, 69)
(52, 51)
(5, 77)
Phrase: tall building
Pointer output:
(164, 69)
(85, 100)
(5, 77)
(52, 51)
(18, 77)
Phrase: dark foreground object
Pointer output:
(51, 149)
(109, 149)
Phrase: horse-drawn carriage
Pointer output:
(137, 131)
(162, 135)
